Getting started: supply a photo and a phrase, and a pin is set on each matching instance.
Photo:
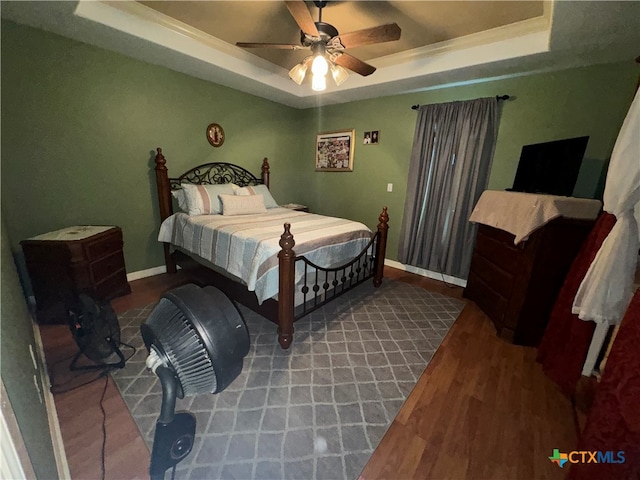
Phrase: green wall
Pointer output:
(16, 335)
(543, 107)
(79, 126)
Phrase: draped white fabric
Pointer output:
(606, 290)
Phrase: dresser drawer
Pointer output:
(106, 266)
(498, 246)
(37, 253)
(500, 280)
(104, 246)
(489, 301)
(113, 286)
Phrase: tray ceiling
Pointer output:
(442, 43)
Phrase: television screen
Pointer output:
(550, 167)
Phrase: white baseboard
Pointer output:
(149, 272)
(52, 413)
(426, 273)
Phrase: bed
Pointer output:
(254, 257)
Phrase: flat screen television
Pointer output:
(550, 167)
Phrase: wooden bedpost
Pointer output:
(286, 264)
(381, 247)
(164, 200)
(265, 172)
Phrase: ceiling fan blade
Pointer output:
(354, 64)
(303, 18)
(369, 36)
(282, 46)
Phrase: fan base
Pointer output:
(98, 366)
(172, 442)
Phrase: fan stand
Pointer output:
(99, 366)
(175, 432)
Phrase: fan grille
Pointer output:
(184, 349)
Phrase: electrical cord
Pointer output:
(104, 424)
(97, 377)
(104, 373)
(440, 271)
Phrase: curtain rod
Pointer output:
(498, 97)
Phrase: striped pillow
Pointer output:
(204, 200)
(269, 201)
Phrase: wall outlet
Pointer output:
(389, 187)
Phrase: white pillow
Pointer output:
(269, 201)
(203, 199)
(242, 204)
(181, 196)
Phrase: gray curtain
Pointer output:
(453, 148)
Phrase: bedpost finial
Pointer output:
(383, 218)
(287, 242)
(160, 160)
(265, 165)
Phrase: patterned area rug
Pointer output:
(316, 411)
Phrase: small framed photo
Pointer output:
(375, 137)
(334, 151)
(366, 140)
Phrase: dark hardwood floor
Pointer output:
(483, 409)
(79, 411)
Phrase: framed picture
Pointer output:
(375, 137)
(334, 151)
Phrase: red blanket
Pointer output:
(613, 422)
(566, 340)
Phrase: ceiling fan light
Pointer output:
(318, 83)
(339, 74)
(298, 73)
(320, 65)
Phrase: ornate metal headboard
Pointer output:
(208, 173)
(217, 173)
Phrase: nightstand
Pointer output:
(297, 207)
(77, 259)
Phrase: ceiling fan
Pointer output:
(327, 46)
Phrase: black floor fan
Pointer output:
(197, 341)
(95, 328)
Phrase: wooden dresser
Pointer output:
(516, 285)
(72, 260)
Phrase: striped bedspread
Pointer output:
(247, 245)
